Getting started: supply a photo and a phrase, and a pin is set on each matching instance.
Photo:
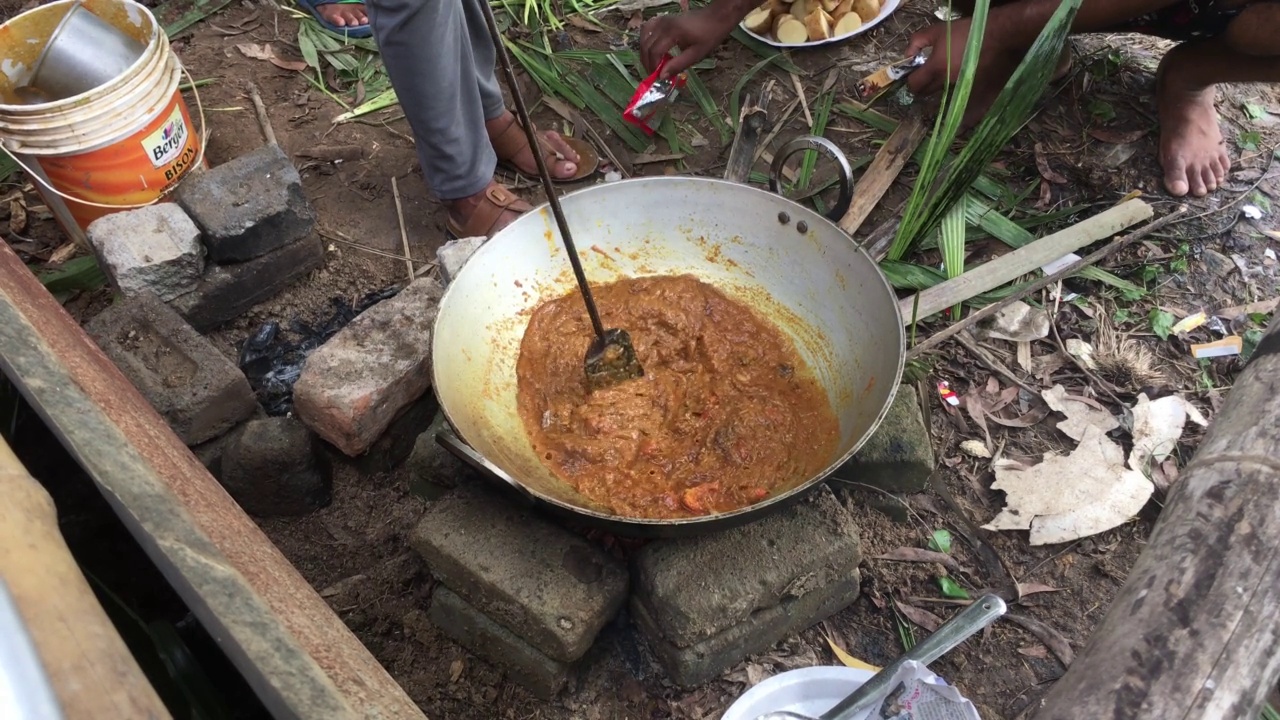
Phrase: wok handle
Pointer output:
(466, 454)
(828, 148)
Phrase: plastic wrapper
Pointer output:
(652, 98)
(917, 694)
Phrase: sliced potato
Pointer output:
(778, 21)
(829, 5)
(849, 22)
(778, 7)
(842, 9)
(800, 8)
(759, 20)
(791, 31)
(866, 9)
(818, 25)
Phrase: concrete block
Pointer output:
(709, 658)
(155, 249)
(695, 588)
(454, 254)
(355, 385)
(273, 469)
(196, 388)
(548, 586)
(249, 206)
(898, 457)
(433, 470)
(228, 291)
(476, 632)
(396, 443)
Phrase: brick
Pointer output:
(196, 388)
(454, 254)
(228, 291)
(396, 443)
(549, 587)
(696, 587)
(155, 249)
(433, 470)
(249, 206)
(709, 658)
(355, 385)
(493, 643)
(272, 468)
(898, 457)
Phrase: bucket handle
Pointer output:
(204, 141)
(828, 148)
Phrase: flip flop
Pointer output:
(497, 200)
(356, 32)
(511, 141)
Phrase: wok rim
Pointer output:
(776, 502)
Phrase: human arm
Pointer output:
(695, 33)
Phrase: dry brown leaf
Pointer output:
(62, 254)
(975, 448)
(1046, 196)
(1081, 413)
(1117, 137)
(923, 618)
(1031, 417)
(266, 51)
(1002, 401)
(1047, 635)
(1039, 652)
(635, 21)
(920, 555)
(1025, 589)
(455, 670)
(1157, 428)
(848, 660)
(1046, 172)
(582, 23)
(17, 217)
(976, 407)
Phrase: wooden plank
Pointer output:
(884, 169)
(1193, 632)
(296, 654)
(92, 673)
(1025, 259)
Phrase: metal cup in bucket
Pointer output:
(84, 52)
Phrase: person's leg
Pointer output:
(344, 14)
(426, 47)
(504, 132)
(1192, 151)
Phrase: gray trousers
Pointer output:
(441, 62)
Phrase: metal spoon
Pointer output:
(977, 616)
(611, 358)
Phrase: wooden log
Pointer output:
(751, 123)
(1193, 633)
(92, 673)
(884, 169)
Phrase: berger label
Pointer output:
(165, 144)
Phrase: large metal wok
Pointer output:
(791, 264)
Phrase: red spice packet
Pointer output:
(651, 98)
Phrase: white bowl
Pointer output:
(809, 691)
(885, 11)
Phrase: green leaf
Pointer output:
(951, 589)
(80, 273)
(710, 108)
(1260, 318)
(1250, 341)
(1249, 140)
(1121, 316)
(1162, 323)
(940, 541)
(952, 240)
(1102, 110)
(8, 166)
(1254, 112)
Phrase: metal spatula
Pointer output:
(981, 613)
(611, 358)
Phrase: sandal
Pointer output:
(497, 200)
(351, 31)
(512, 141)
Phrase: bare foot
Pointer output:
(562, 161)
(344, 14)
(486, 212)
(1192, 151)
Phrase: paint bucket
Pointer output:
(125, 143)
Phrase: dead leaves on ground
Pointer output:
(267, 51)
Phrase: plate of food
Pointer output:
(809, 23)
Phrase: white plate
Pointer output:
(885, 11)
(809, 691)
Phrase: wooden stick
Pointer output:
(751, 123)
(884, 169)
(1193, 632)
(404, 236)
(1044, 282)
(91, 670)
(1028, 258)
(260, 110)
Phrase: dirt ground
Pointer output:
(1093, 143)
